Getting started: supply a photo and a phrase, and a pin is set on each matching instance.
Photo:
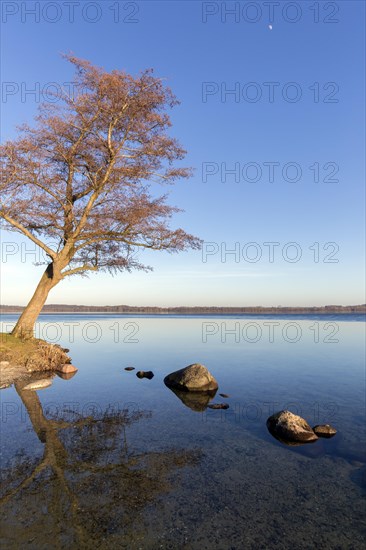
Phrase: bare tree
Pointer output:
(82, 179)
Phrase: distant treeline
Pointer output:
(184, 310)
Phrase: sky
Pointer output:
(272, 116)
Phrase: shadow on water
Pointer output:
(88, 485)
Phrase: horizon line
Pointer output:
(46, 306)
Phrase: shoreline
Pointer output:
(197, 312)
(186, 314)
(26, 359)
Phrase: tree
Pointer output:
(82, 179)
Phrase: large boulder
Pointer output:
(289, 427)
(192, 378)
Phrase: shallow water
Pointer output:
(109, 460)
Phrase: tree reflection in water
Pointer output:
(89, 488)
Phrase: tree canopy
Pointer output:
(78, 183)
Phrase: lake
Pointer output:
(108, 460)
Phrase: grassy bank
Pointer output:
(19, 358)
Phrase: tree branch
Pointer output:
(28, 234)
(80, 269)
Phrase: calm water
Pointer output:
(108, 460)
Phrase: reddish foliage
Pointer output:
(81, 178)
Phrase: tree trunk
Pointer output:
(25, 326)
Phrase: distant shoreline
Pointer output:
(59, 309)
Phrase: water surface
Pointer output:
(108, 460)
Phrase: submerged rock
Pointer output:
(290, 428)
(192, 378)
(129, 368)
(218, 406)
(324, 430)
(66, 369)
(39, 384)
(145, 374)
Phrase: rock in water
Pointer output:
(129, 368)
(192, 378)
(286, 426)
(218, 406)
(66, 369)
(39, 384)
(324, 430)
(145, 374)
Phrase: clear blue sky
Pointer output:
(203, 52)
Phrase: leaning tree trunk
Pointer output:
(25, 325)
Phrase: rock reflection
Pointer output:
(288, 442)
(197, 401)
(66, 375)
(89, 486)
(302, 447)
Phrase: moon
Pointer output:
(270, 27)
